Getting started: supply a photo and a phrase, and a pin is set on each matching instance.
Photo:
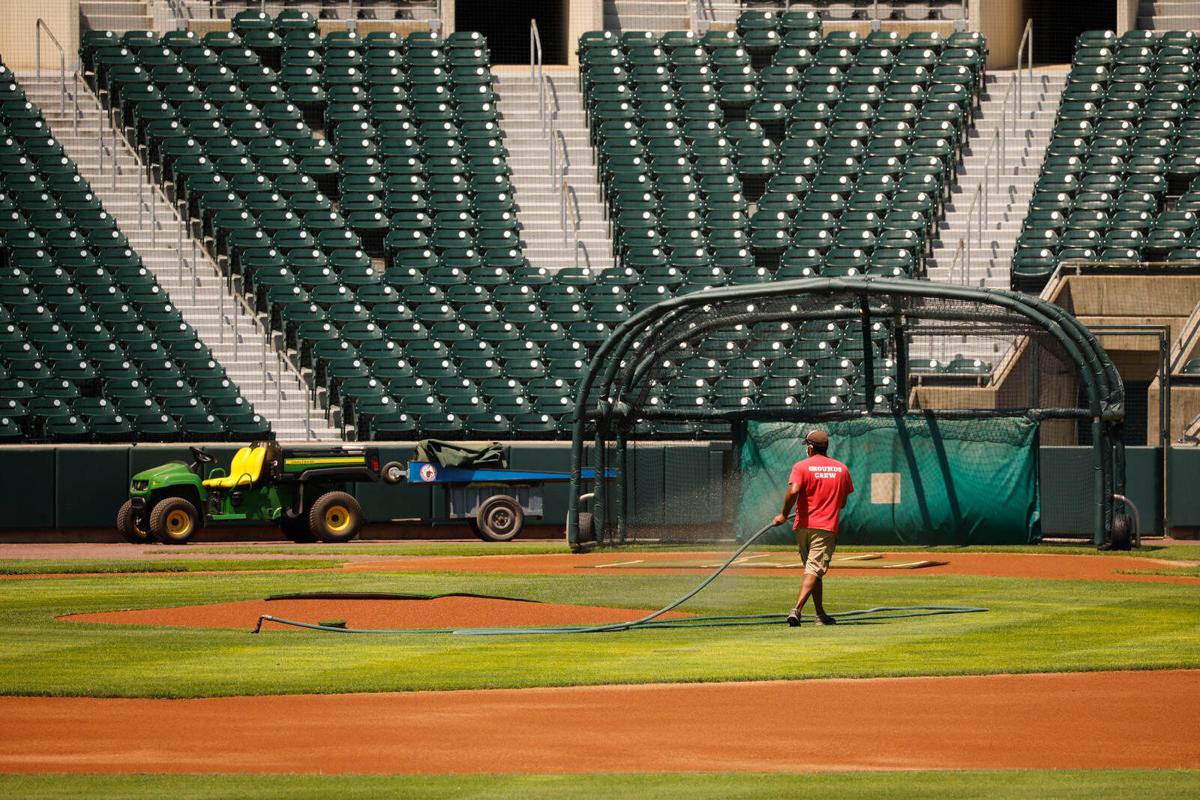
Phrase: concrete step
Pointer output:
(277, 390)
(989, 255)
(538, 193)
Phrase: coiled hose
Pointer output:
(650, 620)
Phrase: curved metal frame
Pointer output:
(614, 379)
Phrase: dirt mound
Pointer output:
(423, 613)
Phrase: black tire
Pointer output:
(335, 517)
(474, 526)
(499, 519)
(392, 473)
(1122, 532)
(130, 527)
(296, 528)
(587, 528)
(174, 521)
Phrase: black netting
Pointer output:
(829, 355)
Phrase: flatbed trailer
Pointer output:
(495, 502)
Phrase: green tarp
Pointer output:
(461, 454)
(918, 480)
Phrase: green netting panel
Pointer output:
(918, 480)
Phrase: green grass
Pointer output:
(468, 548)
(1032, 626)
(1185, 572)
(21, 566)
(372, 549)
(924, 785)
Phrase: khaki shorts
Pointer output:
(816, 549)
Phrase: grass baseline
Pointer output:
(22, 566)
(899, 785)
(557, 547)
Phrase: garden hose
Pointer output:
(651, 620)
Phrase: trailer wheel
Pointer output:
(1122, 532)
(296, 528)
(474, 526)
(174, 521)
(335, 517)
(129, 526)
(499, 519)
(392, 473)
(587, 528)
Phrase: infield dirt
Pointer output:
(1077, 720)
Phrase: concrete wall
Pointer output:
(17, 33)
(1126, 15)
(1139, 300)
(1002, 22)
(581, 16)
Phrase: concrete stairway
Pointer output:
(991, 258)
(1169, 15)
(116, 15)
(236, 338)
(724, 13)
(645, 15)
(537, 193)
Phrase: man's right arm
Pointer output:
(789, 498)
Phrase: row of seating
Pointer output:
(241, 10)
(848, 176)
(419, 294)
(1118, 181)
(91, 346)
(365, 202)
(843, 10)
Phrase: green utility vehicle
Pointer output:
(303, 490)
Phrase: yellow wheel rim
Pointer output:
(337, 519)
(179, 523)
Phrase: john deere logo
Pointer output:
(428, 473)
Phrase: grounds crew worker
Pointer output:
(822, 486)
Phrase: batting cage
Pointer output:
(697, 408)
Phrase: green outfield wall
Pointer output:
(80, 487)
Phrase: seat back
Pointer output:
(247, 465)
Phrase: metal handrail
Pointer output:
(75, 81)
(1026, 39)
(38, 27)
(241, 305)
(535, 61)
(549, 119)
(974, 220)
(1191, 431)
(958, 256)
(582, 245)
(1184, 345)
(979, 213)
(698, 19)
(558, 172)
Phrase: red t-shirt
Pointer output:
(824, 486)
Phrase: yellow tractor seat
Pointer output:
(243, 472)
